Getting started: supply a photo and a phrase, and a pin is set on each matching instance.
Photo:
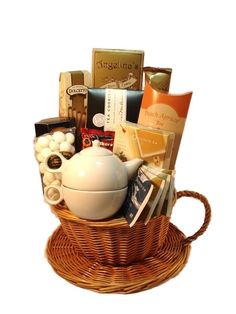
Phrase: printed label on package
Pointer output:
(115, 108)
(98, 120)
(77, 90)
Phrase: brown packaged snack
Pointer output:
(117, 68)
(158, 78)
(73, 87)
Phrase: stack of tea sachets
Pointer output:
(150, 193)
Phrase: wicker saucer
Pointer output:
(68, 262)
(78, 270)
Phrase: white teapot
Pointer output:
(94, 182)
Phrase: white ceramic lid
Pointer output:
(96, 150)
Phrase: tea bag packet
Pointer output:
(165, 174)
(53, 135)
(139, 192)
(166, 112)
(158, 78)
(168, 203)
(159, 184)
(160, 204)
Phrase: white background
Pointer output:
(41, 38)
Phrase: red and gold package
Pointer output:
(106, 138)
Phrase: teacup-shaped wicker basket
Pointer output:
(148, 255)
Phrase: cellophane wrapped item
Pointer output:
(53, 135)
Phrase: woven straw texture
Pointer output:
(112, 241)
(107, 270)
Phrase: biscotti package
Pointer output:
(117, 68)
(158, 78)
(135, 141)
(73, 87)
(108, 107)
(167, 112)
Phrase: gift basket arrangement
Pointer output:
(107, 165)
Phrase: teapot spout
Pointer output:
(132, 166)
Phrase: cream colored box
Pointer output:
(154, 146)
(117, 68)
(73, 87)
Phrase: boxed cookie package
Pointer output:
(108, 107)
(117, 68)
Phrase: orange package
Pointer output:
(167, 112)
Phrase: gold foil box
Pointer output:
(117, 68)
(158, 78)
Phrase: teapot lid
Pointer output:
(95, 150)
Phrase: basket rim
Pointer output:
(62, 212)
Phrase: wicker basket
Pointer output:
(112, 241)
(109, 256)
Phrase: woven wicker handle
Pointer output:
(207, 218)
